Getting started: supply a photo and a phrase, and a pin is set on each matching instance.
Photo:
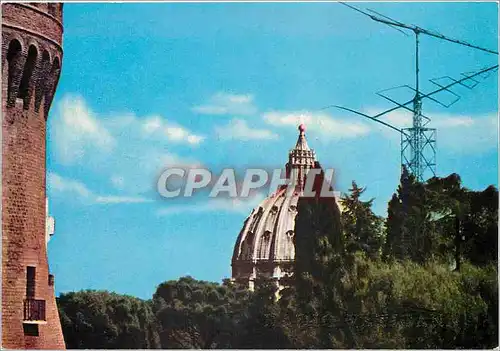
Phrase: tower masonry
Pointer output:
(32, 56)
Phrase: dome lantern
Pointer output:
(300, 159)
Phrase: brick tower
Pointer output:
(31, 54)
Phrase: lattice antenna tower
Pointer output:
(418, 142)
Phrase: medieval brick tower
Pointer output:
(31, 54)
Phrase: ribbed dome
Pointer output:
(265, 244)
(268, 231)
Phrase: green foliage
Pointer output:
(480, 227)
(318, 238)
(408, 230)
(436, 286)
(362, 228)
(262, 328)
(102, 320)
(407, 305)
(412, 299)
(198, 314)
(319, 270)
(375, 304)
(442, 220)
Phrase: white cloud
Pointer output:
(194, 139)
(141, 168)
(78, 131)
(176, 133)
(159, 127)
(466, 134)
(228, 104)
(458, 133)
(235, 205)
(319, 122)
(404, 119)
(445, 121)
(238, 129)
(152, 124)
(59, 185)
(121, 199)
(129, 152)
(398, 118)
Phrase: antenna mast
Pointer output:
(418, 143)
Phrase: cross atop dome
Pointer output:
(302, 142)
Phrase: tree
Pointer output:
(465, 222)
(319, 268)
(103, 320)
(362, 228)
(318, 233)
(450, 205)
(339, 297)
(263, 327)
(198, 314)
(408, 233)
(393, 246)
(481, 227)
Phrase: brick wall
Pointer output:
(23, 167)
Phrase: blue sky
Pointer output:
(145, 86)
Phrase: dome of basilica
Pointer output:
(265, 246)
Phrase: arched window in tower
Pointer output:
(51, 86)
(41, 83)
(289, 246)
(29, 66)
(13, 58)
(54, 72)
(247, 247)
(263, 251)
